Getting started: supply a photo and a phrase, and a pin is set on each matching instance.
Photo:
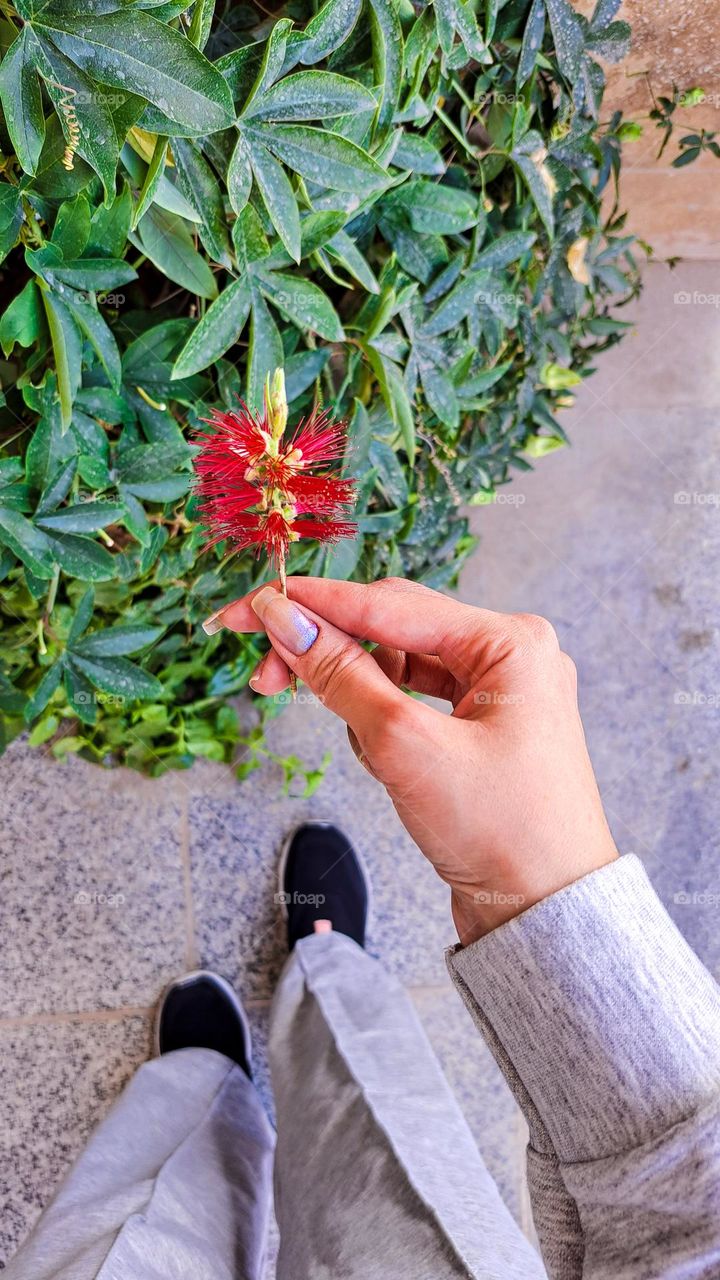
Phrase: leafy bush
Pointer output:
(402, 204)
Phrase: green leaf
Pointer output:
(83, 616)
(95, 274)
(342, 247)
(219, 329)
(303, 303)
(434, 207)
(24, 319)
(266, 351)
(80, 695)
(418, 154)
(22, 102)
(200, 27)
(43, 693)
(532, 42)
(328, 30)
(130, 50)
(505, 249)
(81, 557)
(239, 176)
(83, 517)
(568, 36)
(440, 395)
(387, 43)
(57, 488)
(166, 241)
(557, 378)
(155, 173)
(530, 156)
(11, 216)
(311, 95)
(43, 731)
(277, 195)
(395, 396)
(120, 677)
(100, 337)
(200, 188)
(66, 350)
(27, 542)
(72, 227)
(110, 226)
(322, 157)
(302, 369)
(121, 640)
(251, 243)
(76, 99)
(272, 63)
(150, 461)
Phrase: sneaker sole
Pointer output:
(282, 865)
(227, 991)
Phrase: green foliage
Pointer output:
(402, 204)
(692, 145)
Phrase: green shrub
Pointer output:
(400, 203)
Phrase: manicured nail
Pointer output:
(214, 623)
(256, 676)
(283, 620)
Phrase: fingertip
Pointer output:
(271, 675)
(239, 615)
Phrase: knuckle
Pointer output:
(391, 728)
(537, 633)
(333, 666)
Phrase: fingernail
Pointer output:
(257, 674)
(214, 623)
(283, 620)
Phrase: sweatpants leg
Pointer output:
(175, 1183)
(377, 1176)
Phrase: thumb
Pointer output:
(335, 667)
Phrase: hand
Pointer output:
(499, 795)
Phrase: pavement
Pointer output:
(114, 883)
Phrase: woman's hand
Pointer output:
(499, 795)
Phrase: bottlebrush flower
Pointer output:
(258, 488)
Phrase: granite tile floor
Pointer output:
(112, 883)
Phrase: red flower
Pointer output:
(257, 488)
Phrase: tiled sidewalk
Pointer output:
(112, 883)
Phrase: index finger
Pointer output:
(394, 612)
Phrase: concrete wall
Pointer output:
(674, 41)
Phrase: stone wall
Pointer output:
(674, 42)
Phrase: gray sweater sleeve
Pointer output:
(607, 1028)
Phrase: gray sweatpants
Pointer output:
(377, 1176)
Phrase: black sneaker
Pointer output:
(201, 1011)
(322, 878)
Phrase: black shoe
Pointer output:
(322, 878)
(201, 1011)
